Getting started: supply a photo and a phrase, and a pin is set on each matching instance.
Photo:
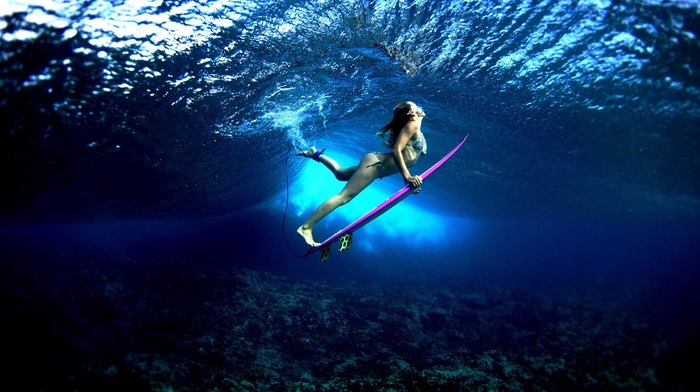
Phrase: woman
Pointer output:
(407, 145)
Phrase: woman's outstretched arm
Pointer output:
(406, 134)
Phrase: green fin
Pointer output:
(325, 253)
(345, 242)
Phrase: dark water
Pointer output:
(147, 148)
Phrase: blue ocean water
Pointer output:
(152, 197)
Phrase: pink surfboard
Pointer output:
(345, 235)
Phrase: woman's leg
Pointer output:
(341, 173)
(364, 175)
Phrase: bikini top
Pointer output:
(420, 144)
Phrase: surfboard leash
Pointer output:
(286, 205)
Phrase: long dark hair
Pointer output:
(397, 123)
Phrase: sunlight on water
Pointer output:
(133, 20)
(244, 78)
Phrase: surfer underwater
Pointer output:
(407, 144)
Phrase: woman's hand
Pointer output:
(415, 182)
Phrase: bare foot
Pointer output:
(307, 154)
(307, 236)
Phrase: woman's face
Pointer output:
(415, 110)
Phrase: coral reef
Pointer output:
(173, 327)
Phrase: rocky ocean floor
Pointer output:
(170, 326)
